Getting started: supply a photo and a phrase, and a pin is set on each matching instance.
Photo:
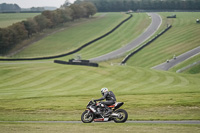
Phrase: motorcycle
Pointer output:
(98, 113)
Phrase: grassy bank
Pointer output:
(74, 37)
(182, 37)
(42, 90)
(193, 70)
(98, 128)
(47, 91)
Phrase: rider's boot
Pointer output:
(109, 111)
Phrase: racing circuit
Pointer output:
(154, 26)
(137, 122)
(167, 65)
(149, 32)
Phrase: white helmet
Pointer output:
(103, 90)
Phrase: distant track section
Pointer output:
(146, 44)
(72, 52)
(154, 26)
(169, 64)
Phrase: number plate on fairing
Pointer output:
(101, 119)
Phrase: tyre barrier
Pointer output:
(72, 52)
(146, 44)
(77, 62)
(172, 16)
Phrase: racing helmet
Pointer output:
(103, 90)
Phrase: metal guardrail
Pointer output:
(187, 67)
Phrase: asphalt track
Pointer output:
(167, 65)
(136, 122)
(156, 22)
(154, 26)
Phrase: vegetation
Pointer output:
(9, 8)
(20, 31)
(183, 36)
(96, 127)
(125, 5)
(7, 19)
(14, 8)
(65, 41)
(47, 91)
(192, 70)
(122, 36)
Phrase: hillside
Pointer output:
(35, 91)
(43, 90)
(66, 41)
(70, 38)
(182, 37)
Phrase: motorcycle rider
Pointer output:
(110, 99)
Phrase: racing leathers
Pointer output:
(110, 100)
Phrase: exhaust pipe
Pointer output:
(115, 115)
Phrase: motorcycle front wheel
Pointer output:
(122, 116)
(87, 116)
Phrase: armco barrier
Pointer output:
(134, 52)
(187, 67)
(72, 52)
(84, 63)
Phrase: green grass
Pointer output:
(50, 91)
(183, 36)
(7, 19)
(73, 37)
(122, 36)
(193, 70)
(97, 128)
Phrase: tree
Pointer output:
(90, 8)
(19, 32)
(43, 22)
(51, 16)
(66, 4)
(77, 11)
(63, 15)
(30, 26)
(124, 5)
(9, 8)
(47, 19)
(4, 39)
(37, 9)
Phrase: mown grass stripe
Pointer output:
(75, 50)
(24, 78)
(181, 38)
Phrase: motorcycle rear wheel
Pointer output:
(87, 117)
(123, 116)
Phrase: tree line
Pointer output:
(135, 5)
(9, 8)
(14, 8)
(20, 31)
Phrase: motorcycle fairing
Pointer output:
(116, 105)
(101, 119)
